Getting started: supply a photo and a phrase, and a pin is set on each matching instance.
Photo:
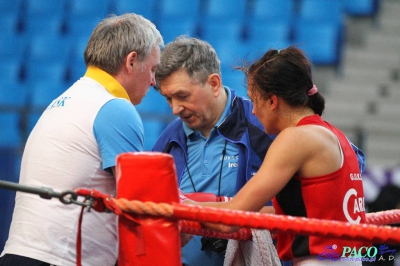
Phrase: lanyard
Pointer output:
(220, 172)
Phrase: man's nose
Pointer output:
(176, 107)
(153, 80)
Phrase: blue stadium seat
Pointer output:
(33, 118)
(321, 41)
(9, 160)
(258, 49)
(76, 70)
(81, 28)
(41, 25)
(10, 70)
(155, 113)
(13, 95)
(49, 72)
(44, 17)
(10, 135)
(233, 54)
(76, 64)
(228, 31)
(154, 103)
(171, 28)
(228, 10)
(87, 9)
(14, 6)
(177, 9)
(361, 7)
(264, 10)
(45, 8)
(320, 29)
(269, 32)
(12, 47)
(322, 10)
(230, 53)
(42, 93)
(236, 80)
(49, 48)
(9, 23)
(12, 104)
(78, 46)
(152, 131)
(144, 8)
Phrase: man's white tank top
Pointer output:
(66, 146)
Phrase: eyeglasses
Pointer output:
(217, 245)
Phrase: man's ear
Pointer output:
(131, 59)
(215, 82)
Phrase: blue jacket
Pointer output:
(240, 127)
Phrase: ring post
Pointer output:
(147, 240)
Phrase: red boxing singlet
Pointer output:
(335, 196)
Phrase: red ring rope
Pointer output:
(299, 225)
(191, 215)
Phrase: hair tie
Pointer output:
(312, 91)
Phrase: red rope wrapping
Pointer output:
(298, 225)
(384, 217)
(244, 234)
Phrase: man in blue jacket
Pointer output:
(217, 143)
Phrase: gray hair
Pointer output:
(116, 36)
(196, 56)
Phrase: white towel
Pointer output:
(260, 251)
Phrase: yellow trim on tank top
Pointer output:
(106, 80)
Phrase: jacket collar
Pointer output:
(234, 125)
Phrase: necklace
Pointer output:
(220, 171)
